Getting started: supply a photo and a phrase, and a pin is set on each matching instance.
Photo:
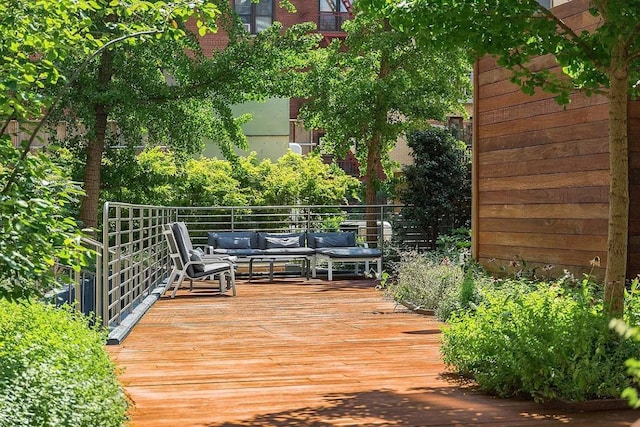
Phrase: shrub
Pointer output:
(457, 241)
(629, 328)
(552, 342)
(36, 222)
(54, 370)
(438, 183)
(427, 283)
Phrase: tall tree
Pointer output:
(165, 91)
(605, 59)
(95, 94)
(373, 87)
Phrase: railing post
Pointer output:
(104, 291)
(381, 232)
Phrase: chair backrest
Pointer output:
(183, 243)
(174, 252)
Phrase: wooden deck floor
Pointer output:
(306, 353)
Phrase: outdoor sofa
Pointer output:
(310, 247)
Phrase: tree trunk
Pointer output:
(371, 189)
(374, 151)
(618, 187)
(95, 148)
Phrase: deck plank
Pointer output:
(306, 353)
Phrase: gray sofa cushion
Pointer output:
(289, 251)
(238, 252)
(282, 242)
(331, 239)
(231, 242)
(213, 238)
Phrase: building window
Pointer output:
(256, 17)
(332, 14)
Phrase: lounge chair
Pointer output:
(187, 262)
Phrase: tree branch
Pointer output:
(6, 123)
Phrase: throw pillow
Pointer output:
(282, 242)
(197, 251)
(198, 268)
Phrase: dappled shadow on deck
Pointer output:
(427, 407)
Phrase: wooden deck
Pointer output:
(306, 353)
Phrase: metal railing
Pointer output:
(132, 261)
(373, 224)
(82, 288)
(135, 260)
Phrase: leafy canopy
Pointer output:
(39, 39)
(39, 35)
(376, 85)
(157, 176)
(517, 31)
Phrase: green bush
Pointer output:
(54, 370)
(158, 176)
(36, 222)
(552, 342)
(438, 183)
(427, 282)
(629, 328)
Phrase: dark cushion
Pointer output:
(232, 242)
(196, 256)
(331, 239)
(214, 237)
(354, 252)
(285, 239)
(183, 241)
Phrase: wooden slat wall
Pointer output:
(542, 171)
(633, 267)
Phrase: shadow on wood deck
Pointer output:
(306, 353)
